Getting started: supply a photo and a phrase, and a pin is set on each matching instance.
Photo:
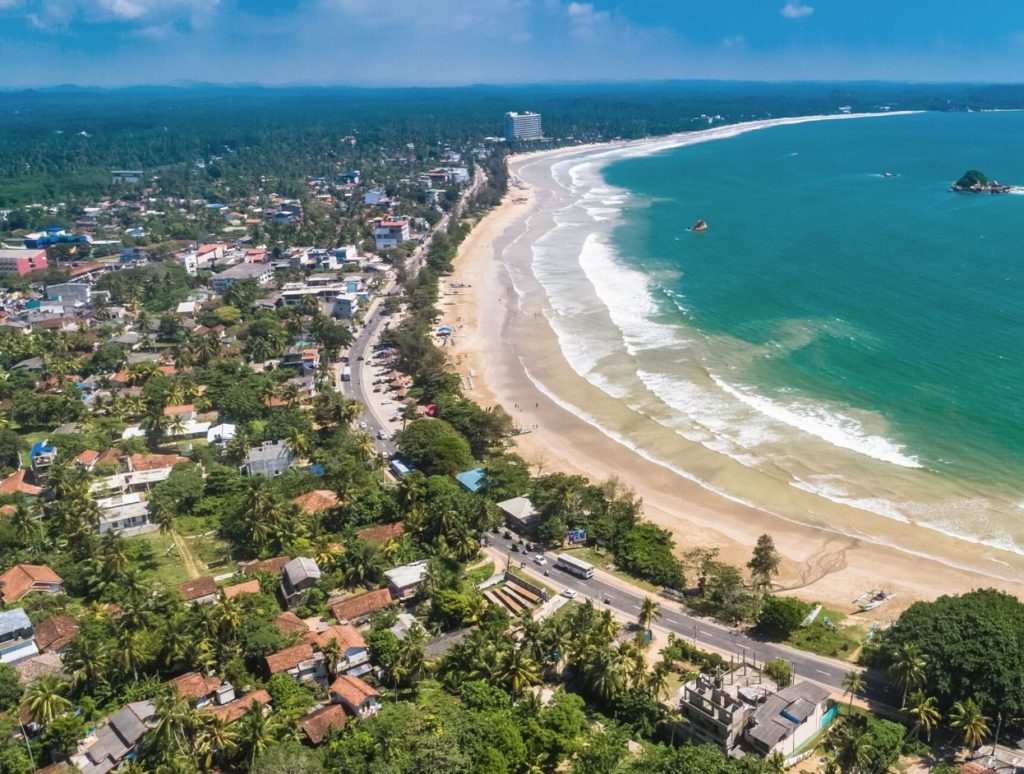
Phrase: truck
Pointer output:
(346, 374)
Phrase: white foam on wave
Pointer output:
(831, 488)
(851, 532)
(834, 428)
(626, 293)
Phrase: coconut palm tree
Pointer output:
(176, 425)
(298, 442)
(215, 742)
(925, 712)
(853, 684)
(44, 699)
(257, 730)
(967, 717)
(852, 753)
(517, 671)
(908, 669)
(649, 613)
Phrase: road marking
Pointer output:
(823, 672)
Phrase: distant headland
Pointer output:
(974, 181)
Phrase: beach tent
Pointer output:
(445, 330)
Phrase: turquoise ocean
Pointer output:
(846, 323)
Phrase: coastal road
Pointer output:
(360, 352)
(606, 590)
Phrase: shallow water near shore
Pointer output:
(838, 343)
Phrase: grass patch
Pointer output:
(840, 640)
(214, 552)
(481, 573)
(149, 553)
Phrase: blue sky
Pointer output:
(117, 42)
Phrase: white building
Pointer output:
(391, 233)
(260, 272)
(522, 126)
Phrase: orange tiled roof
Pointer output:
(289, 658)
(234, 710)
(15, 483)
(346, 635)
(248, 587)
(382, 534)
(316, 724)
(197, 588)
(353, 690)
(56, 632)
(142, 462)
(361, 604)
(272, 565)
(316, 501)
(289, 623)
(88, 457)
(185, 408)
(194, 686)
(22, 578)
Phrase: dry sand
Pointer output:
(818, 565)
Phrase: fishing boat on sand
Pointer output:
(875, 600)
(699, 227)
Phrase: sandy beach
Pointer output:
(503, 339)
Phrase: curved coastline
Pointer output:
(510, 351)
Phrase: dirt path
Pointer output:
(193, 566)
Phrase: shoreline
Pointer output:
(820, 563)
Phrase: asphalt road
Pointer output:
(361, 385)
(828, 672)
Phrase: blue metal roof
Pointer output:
(471, 479)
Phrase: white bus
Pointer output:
(576, 566)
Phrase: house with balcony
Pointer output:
(300, 662)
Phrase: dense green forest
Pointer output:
(60, 144)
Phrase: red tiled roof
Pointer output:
(234, 710)
(15, 483)
(248, 587)
(56, 632)
(316, 724)
(352, 690)
(289, 623)
(23, 578)
(289, 658)
(316, 501)
(88, 457)
(272, 565)
(197, 588)
(346, 635)
(194, 686)
(361, 604)
(142, 462)
(382, 534)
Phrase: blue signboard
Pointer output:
(575, 536)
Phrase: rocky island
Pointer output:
(974, 181)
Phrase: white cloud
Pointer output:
(734, 41)
(584, 19)
(794, 9)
